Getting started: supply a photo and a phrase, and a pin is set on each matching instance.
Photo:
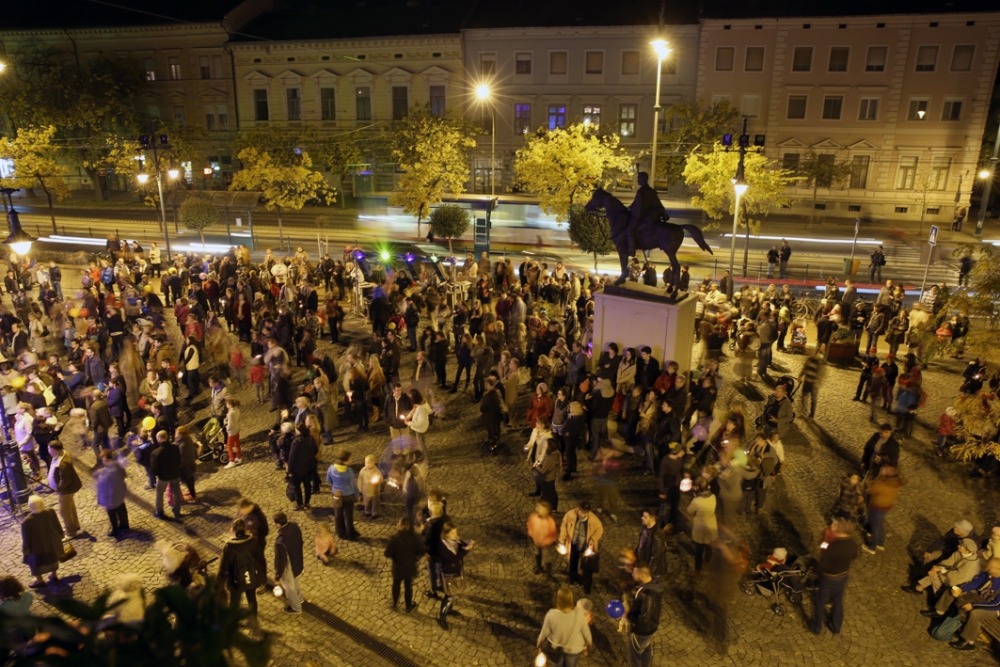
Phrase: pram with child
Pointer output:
(781, 574)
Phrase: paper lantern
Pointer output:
(84, 312)
(148, 423)
(615, 609)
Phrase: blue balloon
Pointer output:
(615, 609)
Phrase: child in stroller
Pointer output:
(780, 574)
(212, 443)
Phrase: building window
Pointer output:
(936, 210)
(557, 116)
(906, 173)
(832, 106)
(327, 104)
(399, 102)
(221, 117)
(626, 119)
(260, 104)
(790, 162)
(175, 68)
(179, 114)
(724, 56)
(209, 118)
(592, 116)
(669, 65)
(363, 102)
(630, 63)
(557, 62)
(750, 106)
(859, 171)
(961, 58)
(217, 72)
(797, 107)
(869, 109)
(294, 98)
(437, 101)
(918, 109)
(595, 62)
(205, 67)
(902, 209)
(927, 58)
(754, 61)
(802, 59)
(147, 64)
(938, 178)
(839, 56)
(827, 160)
(522, 63)
(952, 109)
(876, 59)
(854, 208)
(719, 98)
(820, 207)
(487, 64)
(522, 118)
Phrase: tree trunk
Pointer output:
(812, 214)
(281, 236)
(420, 215)
(595, 262)
(48, 196)
(201, 235)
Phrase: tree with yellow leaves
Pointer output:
(433, 154)
(563, 166)
(284, 184)
(35, 164)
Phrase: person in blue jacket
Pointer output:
(980, 598)
(343, 483)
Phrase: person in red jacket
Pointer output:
(946, 427)
(543, 534)
(540, 406)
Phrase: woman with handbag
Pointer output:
(565, 634)
(452, 555)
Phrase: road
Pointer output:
(819, 249)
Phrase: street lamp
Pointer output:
(920, 114)
(483, 94)
(660, 47)
(18, 240)
(156, 143)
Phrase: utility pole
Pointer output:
(740, 185)
(992, 172)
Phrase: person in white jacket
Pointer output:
(419, 418)
(154, 259)
(233, 429)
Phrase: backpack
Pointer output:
(947, 628)
(245, 572)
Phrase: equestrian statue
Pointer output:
(644, 226)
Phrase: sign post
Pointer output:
(931, 242)
(857, 228)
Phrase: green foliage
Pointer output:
(693, 128)
(980, 302)
(282, 182)
(35, 164)
(591, 231)
(196, 214)
(563, 166)
(178, 629)
(433, 153)
(712, 174)
(822, 171)
(449, 221)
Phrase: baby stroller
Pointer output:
(774, 580)
(212, 443)
(798, 329)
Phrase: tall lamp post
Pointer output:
(483, 95)
(740, 185)
(157, 144)
(987, 175)
(660, 46)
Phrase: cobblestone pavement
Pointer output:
(502, 611)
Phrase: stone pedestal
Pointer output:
(635, 315)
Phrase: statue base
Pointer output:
(636, 315)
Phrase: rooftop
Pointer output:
(60, 14)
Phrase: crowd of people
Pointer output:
(107, 366)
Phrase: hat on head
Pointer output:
(963, 527)
(950, 411)
(780, 554)
(969, 544)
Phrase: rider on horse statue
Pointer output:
(646, 209)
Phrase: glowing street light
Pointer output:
(921, 114)
(660, 47)
(19, 240)
(483, 91)
(984, 174)
(483, 95)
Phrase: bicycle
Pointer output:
(806, 306)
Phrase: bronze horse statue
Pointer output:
(666, 236)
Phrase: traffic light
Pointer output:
(144, 141)
(727, 139)
(758, 140)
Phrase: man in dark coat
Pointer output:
(165, 465)
(404, 550)
(100, 421)
(647, 369)
(652, 547)
(643, 614)
(491, 412)
(288, 561)
(881, 449)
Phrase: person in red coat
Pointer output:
(540, 406)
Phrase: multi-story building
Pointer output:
(187, 65)
(902, 99)
(550, 77)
